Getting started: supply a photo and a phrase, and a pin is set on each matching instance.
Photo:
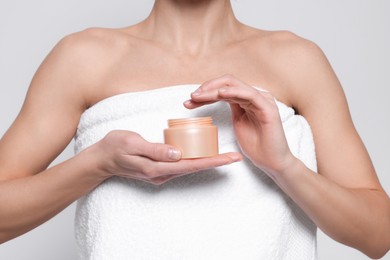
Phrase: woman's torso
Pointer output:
(231, 212)
(256, 213)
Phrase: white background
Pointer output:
(354, 34)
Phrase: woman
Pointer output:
(185, 42)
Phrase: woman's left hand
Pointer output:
(255, 118)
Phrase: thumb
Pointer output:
(161, 152)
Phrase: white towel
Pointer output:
(231, 212)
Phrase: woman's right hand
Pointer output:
(126, 154)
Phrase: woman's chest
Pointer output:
(155, 70)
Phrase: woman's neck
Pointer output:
(191, 26)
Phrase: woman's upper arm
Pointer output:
(49, 116)
(318, 96)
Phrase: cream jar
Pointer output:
(195, 137)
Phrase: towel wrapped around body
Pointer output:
(230, 212)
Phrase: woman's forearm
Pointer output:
(27, 202)
(356, 217)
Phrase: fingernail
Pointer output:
(188, 102)
(222, 90)
(196, 92)
(174, 154)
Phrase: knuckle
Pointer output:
(110, 137)
(121, 137)
(229, 80)
(131, 138)
(254, 96)
(133, 142)
(157, 151)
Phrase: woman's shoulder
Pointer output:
(96, 40)
(292, 58)
(282, 43)
(87, 57)
(94, 50)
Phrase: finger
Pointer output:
(143, 168)
(247, 92)
(261, 106)
(209, 91)
(157, 169)
(237, 111)
(227, 80)
(199, 164)
(247, 97)
(157, 151)
(190, 104)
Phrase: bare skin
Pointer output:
(192, 42)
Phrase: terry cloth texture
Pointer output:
(231, 212)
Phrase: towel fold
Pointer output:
(231, 212)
